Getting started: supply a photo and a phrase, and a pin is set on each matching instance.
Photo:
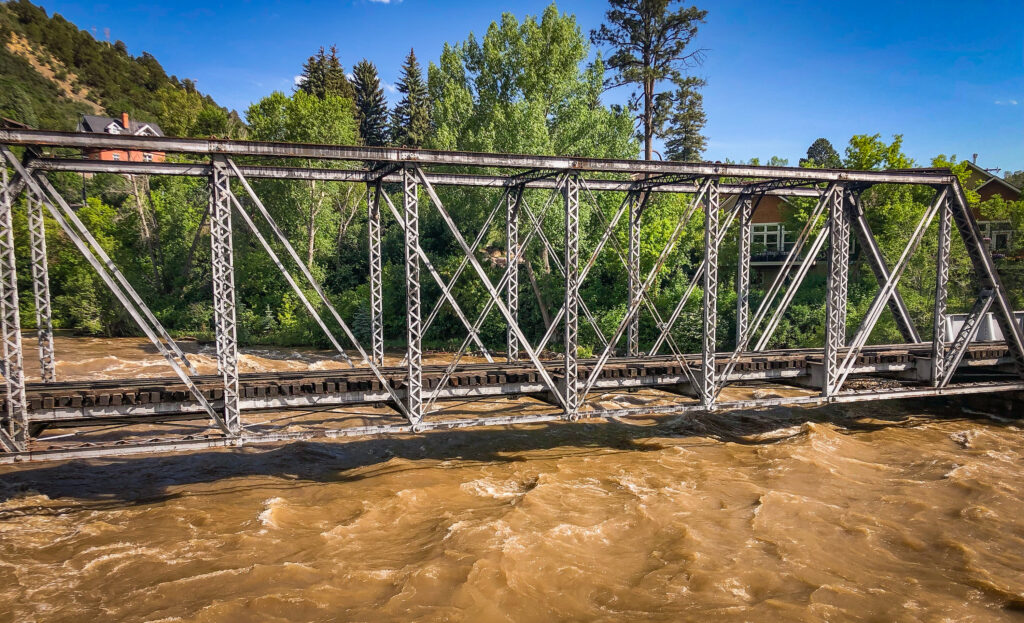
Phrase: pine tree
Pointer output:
(821, 154)
(410, 120)
(371, 106)
(323, 75)
(650, 43)
(684, 122)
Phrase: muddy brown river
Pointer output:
(876, 512)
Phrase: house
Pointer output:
(998, 232)
(124, 125)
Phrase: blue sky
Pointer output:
(949, 76)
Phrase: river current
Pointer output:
(884, 511)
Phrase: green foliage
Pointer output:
(683, 120)
(821, 155)
(371, 107)
(410, 120)
(323, 76)
(106, 74)
(650, 44)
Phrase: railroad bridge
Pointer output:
(527, 192)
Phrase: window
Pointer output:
(115, 156)
(147, 157)
(998, 233)
(767, 236)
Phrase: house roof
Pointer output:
(990, 178)
(102, 125)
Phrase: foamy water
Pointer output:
(878, 512)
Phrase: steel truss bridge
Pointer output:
(726, 195)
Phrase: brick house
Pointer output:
(988, 186)
(124, 125)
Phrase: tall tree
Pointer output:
(371, 107)
(410, 120)
(323, 75)
(822, 154)
(682, 121)
(650, 42)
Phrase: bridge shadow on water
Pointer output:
(93, 484)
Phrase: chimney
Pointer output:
(124, 121)
(974, 160)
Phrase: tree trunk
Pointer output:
(544, 313)
(147, 236)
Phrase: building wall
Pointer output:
(126, 156)
(770, 210)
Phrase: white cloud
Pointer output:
(297, 80)
(390, 88)
(1006, 102)
(386, 1)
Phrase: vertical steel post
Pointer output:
(223, 275)
(939, 336)
(711, 216)
(746, 211)
(413, 325)
(572, 294)
(512, 252)
(373, 192)
(836, 289)
(41, 290)
(636, 204)
(15, 434)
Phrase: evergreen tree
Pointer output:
(371, 107)
(410, 120)
(650, 43)
(683, 121)
(821, 154)
(323, 75)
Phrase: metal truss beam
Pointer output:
(76, 231)
(746, 214)
(634, 307)
(636, 204)
(836, 288)
(14, 432)
(463, 263)
(966, 335)
(512, 254)
(373, 193)
(491, 302)
(884, 293)
(985, 270)
(41, 290)
(413, 324)
(710, 309)
(666, 327)
(422, 158)
(941, 294)
(866, 239)
(495, 296)
(572, 296)
(546, 180)
(223, 277)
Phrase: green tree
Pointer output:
(650, 42)
(323, 75)
(683, 119)
(410, 120)
(371, 106)
(312, 207)
(821, 154)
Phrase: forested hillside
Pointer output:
(51, 72)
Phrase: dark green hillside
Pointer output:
(51, 72)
